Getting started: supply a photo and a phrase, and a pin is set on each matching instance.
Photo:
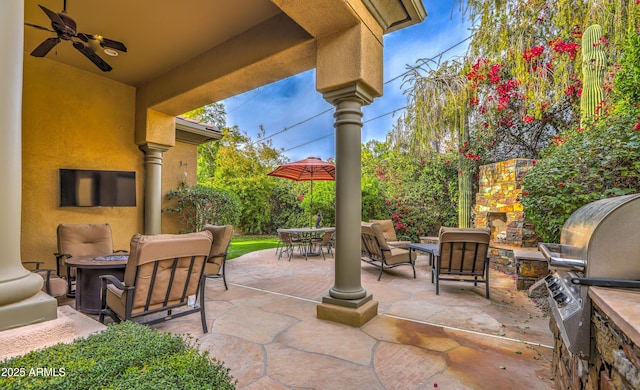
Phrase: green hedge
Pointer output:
(124, 356)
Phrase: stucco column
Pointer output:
(348, 124)
(348, 302)
(153, 187)
(21, 301)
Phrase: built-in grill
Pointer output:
(599, 246)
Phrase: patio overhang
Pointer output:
(63, 111)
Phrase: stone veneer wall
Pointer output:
(614, 362)
(500, 190)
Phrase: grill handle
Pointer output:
(554, 261)
(620, 283)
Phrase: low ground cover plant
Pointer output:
(124, 356)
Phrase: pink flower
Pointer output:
(528, 119)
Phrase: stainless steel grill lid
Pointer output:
(606, 234)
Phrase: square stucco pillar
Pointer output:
(349, 75)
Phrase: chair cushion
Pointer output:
(85, 239)
(163, 249)
(57, 286)
(454, 240)
(399, 255)
(388, 230)
(399, 244)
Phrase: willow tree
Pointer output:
(436, 117)
(507, 31)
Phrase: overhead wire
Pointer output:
(331, 134)
(369, 120)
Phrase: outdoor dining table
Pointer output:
(307, 235)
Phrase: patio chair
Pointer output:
(326, 241)
(389, 233)
(463, 256)
(52, 283)
(162, 272)
(216, 263)
(81, 240)
(376, 251)
(287, 244)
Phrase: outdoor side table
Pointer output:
(431, 249)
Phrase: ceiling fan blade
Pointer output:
(39, 27)
(92, 56)
(55, 19)
(111, 44)
(45, 47)
(85, 37)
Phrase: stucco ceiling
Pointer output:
(159, 34)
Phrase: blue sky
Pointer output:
(281, 106)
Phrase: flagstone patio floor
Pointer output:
(265, 330)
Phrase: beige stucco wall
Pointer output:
(73, 119)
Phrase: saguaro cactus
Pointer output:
(593, 67)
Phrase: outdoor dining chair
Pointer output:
(463, 256)
(287, 244)
(326, 241)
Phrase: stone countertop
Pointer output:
(621, 305)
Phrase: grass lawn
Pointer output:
(245, 244)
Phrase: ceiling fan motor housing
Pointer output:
(66, 31)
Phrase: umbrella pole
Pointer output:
(311, 205)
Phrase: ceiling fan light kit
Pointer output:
(65, 28)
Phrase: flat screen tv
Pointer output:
(97, 188)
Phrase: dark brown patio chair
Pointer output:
(462, 256)
(162, 272)
(389, 232)
(216, 263)
(376, 250)
(81, 240)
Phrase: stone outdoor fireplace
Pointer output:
(498, 203)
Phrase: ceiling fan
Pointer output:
(65, 28)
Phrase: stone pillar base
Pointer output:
(354, 313)
(40, 307)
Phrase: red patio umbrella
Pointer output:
(311, 168)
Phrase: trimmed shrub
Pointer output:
(124, 356)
